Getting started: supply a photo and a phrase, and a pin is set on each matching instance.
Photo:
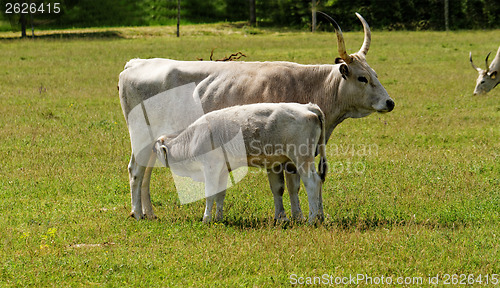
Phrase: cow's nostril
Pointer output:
(390, 105)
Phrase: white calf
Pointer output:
(272, 134)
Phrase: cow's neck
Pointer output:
(334, 107)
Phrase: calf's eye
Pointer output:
(363, 79)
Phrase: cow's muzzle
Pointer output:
(390, 105)
(479, 92)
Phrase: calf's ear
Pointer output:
(161, 152)
(344, 70)
(164, 150)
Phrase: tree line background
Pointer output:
(381, 14)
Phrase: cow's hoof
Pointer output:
(136, 216)
(281, 221)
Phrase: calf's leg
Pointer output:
(213, 177)
(219, 197)
(312, 182)
(209, 203)
(293, 186)
(277, 184)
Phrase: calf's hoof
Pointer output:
(281, 220)
(150, 217)
(298, 218)
(207, 219)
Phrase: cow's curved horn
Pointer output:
(368, 35)
(340, 39)
(472, 63)
(486, 61)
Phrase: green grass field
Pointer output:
(412, 193)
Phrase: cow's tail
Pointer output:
(321, 148)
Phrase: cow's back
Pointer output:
(221, 84)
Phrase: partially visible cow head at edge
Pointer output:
(358, 77)
(489, 78)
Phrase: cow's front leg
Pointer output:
(136, 175)
(293, 186)
(277, 184)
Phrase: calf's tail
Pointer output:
(321, 148)
(323, 165)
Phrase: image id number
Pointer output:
(25, 8)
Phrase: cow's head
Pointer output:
(487, 79)
(362, 91)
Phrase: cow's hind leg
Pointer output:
(277, 184)
(136, 175)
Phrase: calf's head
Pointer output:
(359, 89)
(487, 79)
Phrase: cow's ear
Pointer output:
(338, 60)
(344, 70)
(493, 75)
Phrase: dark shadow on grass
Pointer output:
(71, 35)
(361, 225)
(347, 225)
(253, 223)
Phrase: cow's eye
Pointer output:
(363, 79)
